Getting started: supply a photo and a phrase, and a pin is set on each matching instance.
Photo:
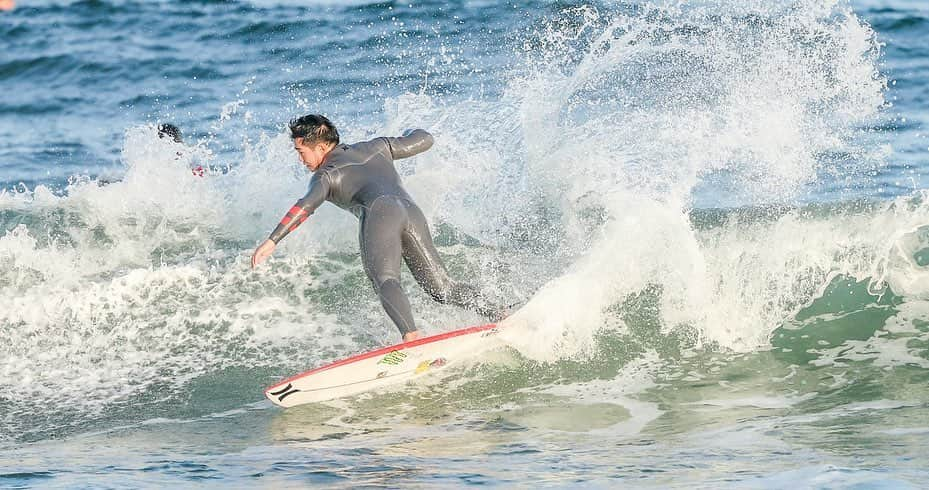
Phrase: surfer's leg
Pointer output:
(380, 237)
(424, 262)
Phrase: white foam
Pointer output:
(634, 378)
(889, 346)
(765, 402)
(109, 291)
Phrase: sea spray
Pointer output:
(755, 98)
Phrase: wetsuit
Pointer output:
(361, 178)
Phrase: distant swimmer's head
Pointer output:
(169, 131)
(314, 137)
(7, 5)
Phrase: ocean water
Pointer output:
(715, 214)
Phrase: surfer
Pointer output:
(172, 132)
(361, 178)
(168, 130)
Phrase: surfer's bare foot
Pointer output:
(411, 336)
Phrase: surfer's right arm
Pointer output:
(413, 142)
(298, 213)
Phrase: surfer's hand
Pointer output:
(262, 252)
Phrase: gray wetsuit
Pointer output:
(361, 178)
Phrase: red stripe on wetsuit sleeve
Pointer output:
(294, 218)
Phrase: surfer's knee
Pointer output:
(385, 283)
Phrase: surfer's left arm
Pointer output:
(298, 213)
(413, 142)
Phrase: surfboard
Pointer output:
(381, 367)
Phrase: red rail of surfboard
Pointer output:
(385, 350)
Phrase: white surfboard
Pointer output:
(381, 367)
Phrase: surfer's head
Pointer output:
(314, 137)
(168, 130)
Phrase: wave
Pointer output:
(136, 297)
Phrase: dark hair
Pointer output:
(314, 128)
(169, 131)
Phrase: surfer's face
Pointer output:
(311, 155)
